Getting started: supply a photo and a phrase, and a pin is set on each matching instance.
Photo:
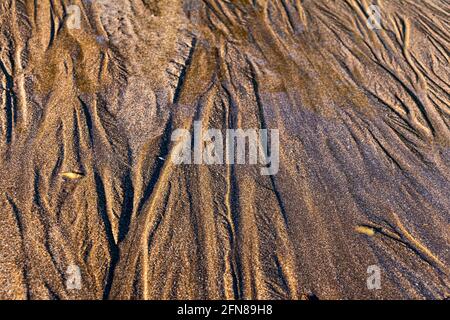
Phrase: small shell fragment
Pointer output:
(368, 231)
(72, 175)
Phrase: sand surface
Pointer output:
(86, 120)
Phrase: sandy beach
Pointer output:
(352, 94)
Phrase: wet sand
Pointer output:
(86, 120)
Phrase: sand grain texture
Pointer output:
(85, 124)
